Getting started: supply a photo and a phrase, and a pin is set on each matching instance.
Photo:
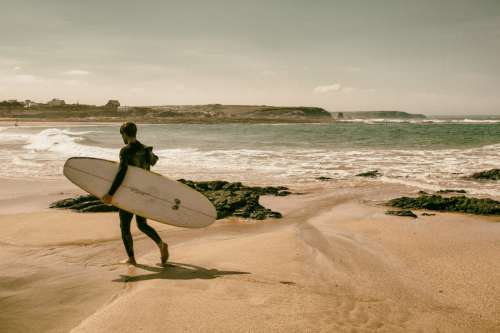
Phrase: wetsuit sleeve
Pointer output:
(152, 157)
(122, 170)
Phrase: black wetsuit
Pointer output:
(141, 156)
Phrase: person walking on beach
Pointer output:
(139, 155)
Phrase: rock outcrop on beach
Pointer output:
(84, 204)
(405, 213)
(323, 178)
(460, 204)
(229, 199)
(493, 174)
(237, 199)
(447, 191)
(370, 174)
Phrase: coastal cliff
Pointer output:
(377, 115)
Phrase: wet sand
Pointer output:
(334, 263)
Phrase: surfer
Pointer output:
(139, 155)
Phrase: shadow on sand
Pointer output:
(176, 271)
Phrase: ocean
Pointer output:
(430, 154)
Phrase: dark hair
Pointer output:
(129, 129)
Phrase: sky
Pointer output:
(432, 57)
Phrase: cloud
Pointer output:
(74, 82)
(327, 88)
(25, 78)
(338, 88)
(348, 90)
(137, 90)
(351, 69)
(76, 72)
(268, 72)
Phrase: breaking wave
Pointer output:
(422, 121)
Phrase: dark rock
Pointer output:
(288, 283)
(323, 179)
(229, 187)
(423, 193)
(407, 213)
(428, 214)
(98, 208)
(493, 174)
(269, 190)
(84, 203)
(229, 199)
(237, 199)
(372, 174)
(461, 204)
(451, 191)
(66, 203)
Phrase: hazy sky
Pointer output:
(434, 57)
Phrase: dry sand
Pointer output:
(334, 263)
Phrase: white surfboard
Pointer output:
(143, 192)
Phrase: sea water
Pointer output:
(431, 155)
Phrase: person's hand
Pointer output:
(107, 199)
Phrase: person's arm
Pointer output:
(120, 175)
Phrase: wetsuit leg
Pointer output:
(125, 220)
(145, 228)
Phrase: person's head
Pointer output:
(128, 131)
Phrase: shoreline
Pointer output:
(170, 121)
(427, 121)
(335, 262)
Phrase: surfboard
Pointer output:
(143, 192)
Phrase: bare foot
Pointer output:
(130, 261)
(164, 252)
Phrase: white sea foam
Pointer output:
(42, 154)
(479, 121)
(422, 121)
(65, 143)
(432, 169)
(7, 136)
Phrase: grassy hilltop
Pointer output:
(209, 113)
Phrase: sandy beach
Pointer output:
(334, 263)
(350, 151)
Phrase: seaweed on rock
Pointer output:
(493, 174)
(461, 204)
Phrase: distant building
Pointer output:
(113, 104)
(29, 103)
(124, 108)
(56, 102)
(11, 103)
